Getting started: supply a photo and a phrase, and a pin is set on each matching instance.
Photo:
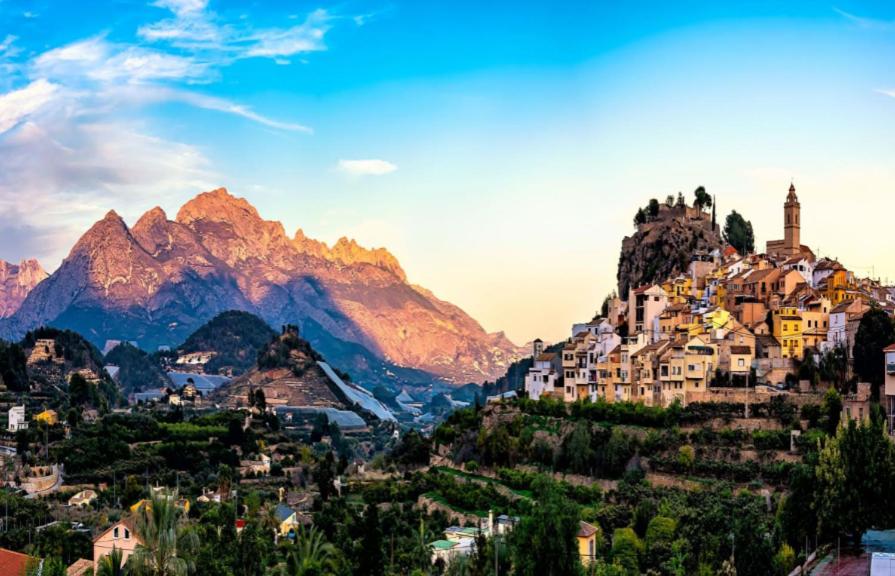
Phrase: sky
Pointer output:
(498, 149)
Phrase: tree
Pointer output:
(78, 390)
(544, 543)
(640, 217)
(784, 560)
(703, 199)
(831, 410)
(312, 555)
(855, 479)
(834, 366)
(875, 332)
(324, 475)
(166, 546)
(372, 560)
(112, 564)
(653, 209)
(738, 233)
(626, 550)
(577, 452)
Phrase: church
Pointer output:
(791, 244)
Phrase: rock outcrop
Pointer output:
(665, 246)
(16, 281)
(159, 281)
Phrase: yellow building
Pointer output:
(787, 329)
(587, 537)
(49, 417)
(700, 362)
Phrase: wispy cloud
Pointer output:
(866, 22)
(367, 167)
(17, 105)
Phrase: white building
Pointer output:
(542, 377)
(645, 304)
(17, 419)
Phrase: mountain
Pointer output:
(137, 370)
(235, 337)
(159, 281)
(289, 372)
(664, 245)
(16, 281)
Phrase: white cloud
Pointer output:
(19, 104)
(305, 37)
(865, 22)
(6, 44)
(181, 7)
(58, 176)
(99, 60)
(368, 167)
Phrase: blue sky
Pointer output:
(498, 149)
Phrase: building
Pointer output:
(787, 329)
(543, 378)
(119, 536)
(17, 420)
(13, 563)
(645, 304)
(48, 417)
(587, 542)
(82, 499)
(287, 520)
(791, 244)
(889, 386)
(857, 406)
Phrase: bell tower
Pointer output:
(792, 242)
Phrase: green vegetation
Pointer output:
(137, 371)
(236, 338)
(738, 233)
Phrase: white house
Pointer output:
(17, 419)
(542, 377)
(645, 304)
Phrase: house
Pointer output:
(645, 304)
(889, 386)
(83, 498)
(787, 329)
(287, 520)
(543, 377)
(260, 466)
(447, 550)
(700, 361)
(857, 406)
(119, 536)
(740, 361)
(17, 420)
(844, 320)
(587, 542)
(13, 563)
(48, 417)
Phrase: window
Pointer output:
(115, 532)
(741, 362)
(127, 534)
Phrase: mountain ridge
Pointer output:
(161, 279)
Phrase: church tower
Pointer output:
(792, 242)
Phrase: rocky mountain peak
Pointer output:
(217, 205)
(16, 281)
(348, 251)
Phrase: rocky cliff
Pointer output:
(16, 281)
(160, 280)
(664, 247)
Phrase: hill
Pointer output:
(158, 282)
(235, 337)
(665, 242)
(137, 371)
(291, 373)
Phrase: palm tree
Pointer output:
(312, 556)
(166, 546)
(112, 564)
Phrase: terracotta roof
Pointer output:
(740, 350)
(842, 307)
(889, 348)
(586, 530)
(13, 563)
(546, 357)
(80, 567)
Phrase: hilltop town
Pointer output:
(730, 325)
